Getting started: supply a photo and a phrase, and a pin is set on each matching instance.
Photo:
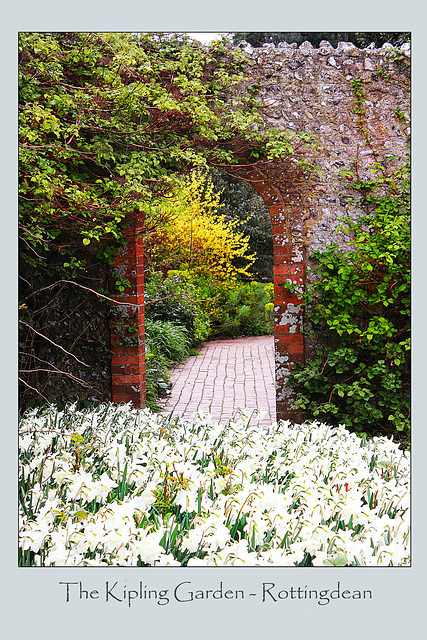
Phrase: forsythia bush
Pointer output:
(198, 237)
(115, 486)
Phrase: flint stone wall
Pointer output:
(310, 90)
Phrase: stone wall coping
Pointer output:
(342, 48)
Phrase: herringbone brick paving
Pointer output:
(227, 375)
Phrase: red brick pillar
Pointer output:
(127, 323)
(288, 265)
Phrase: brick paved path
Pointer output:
(226, 376)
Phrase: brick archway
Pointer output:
(127, 326)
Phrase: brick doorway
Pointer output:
(127, 326)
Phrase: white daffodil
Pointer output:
(194, 539)
(187, 499)
(148, 547)
(283, 491)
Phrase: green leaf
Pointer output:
(339, 560)
(81, 514)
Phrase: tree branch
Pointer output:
(100, 295)
(54, 343)
(36, 390)
(58, 371)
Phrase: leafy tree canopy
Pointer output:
(107, 122)
(240, 201)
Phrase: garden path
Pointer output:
(227, 375)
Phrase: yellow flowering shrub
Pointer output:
(197, 237)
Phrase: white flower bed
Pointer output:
(118, 486)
